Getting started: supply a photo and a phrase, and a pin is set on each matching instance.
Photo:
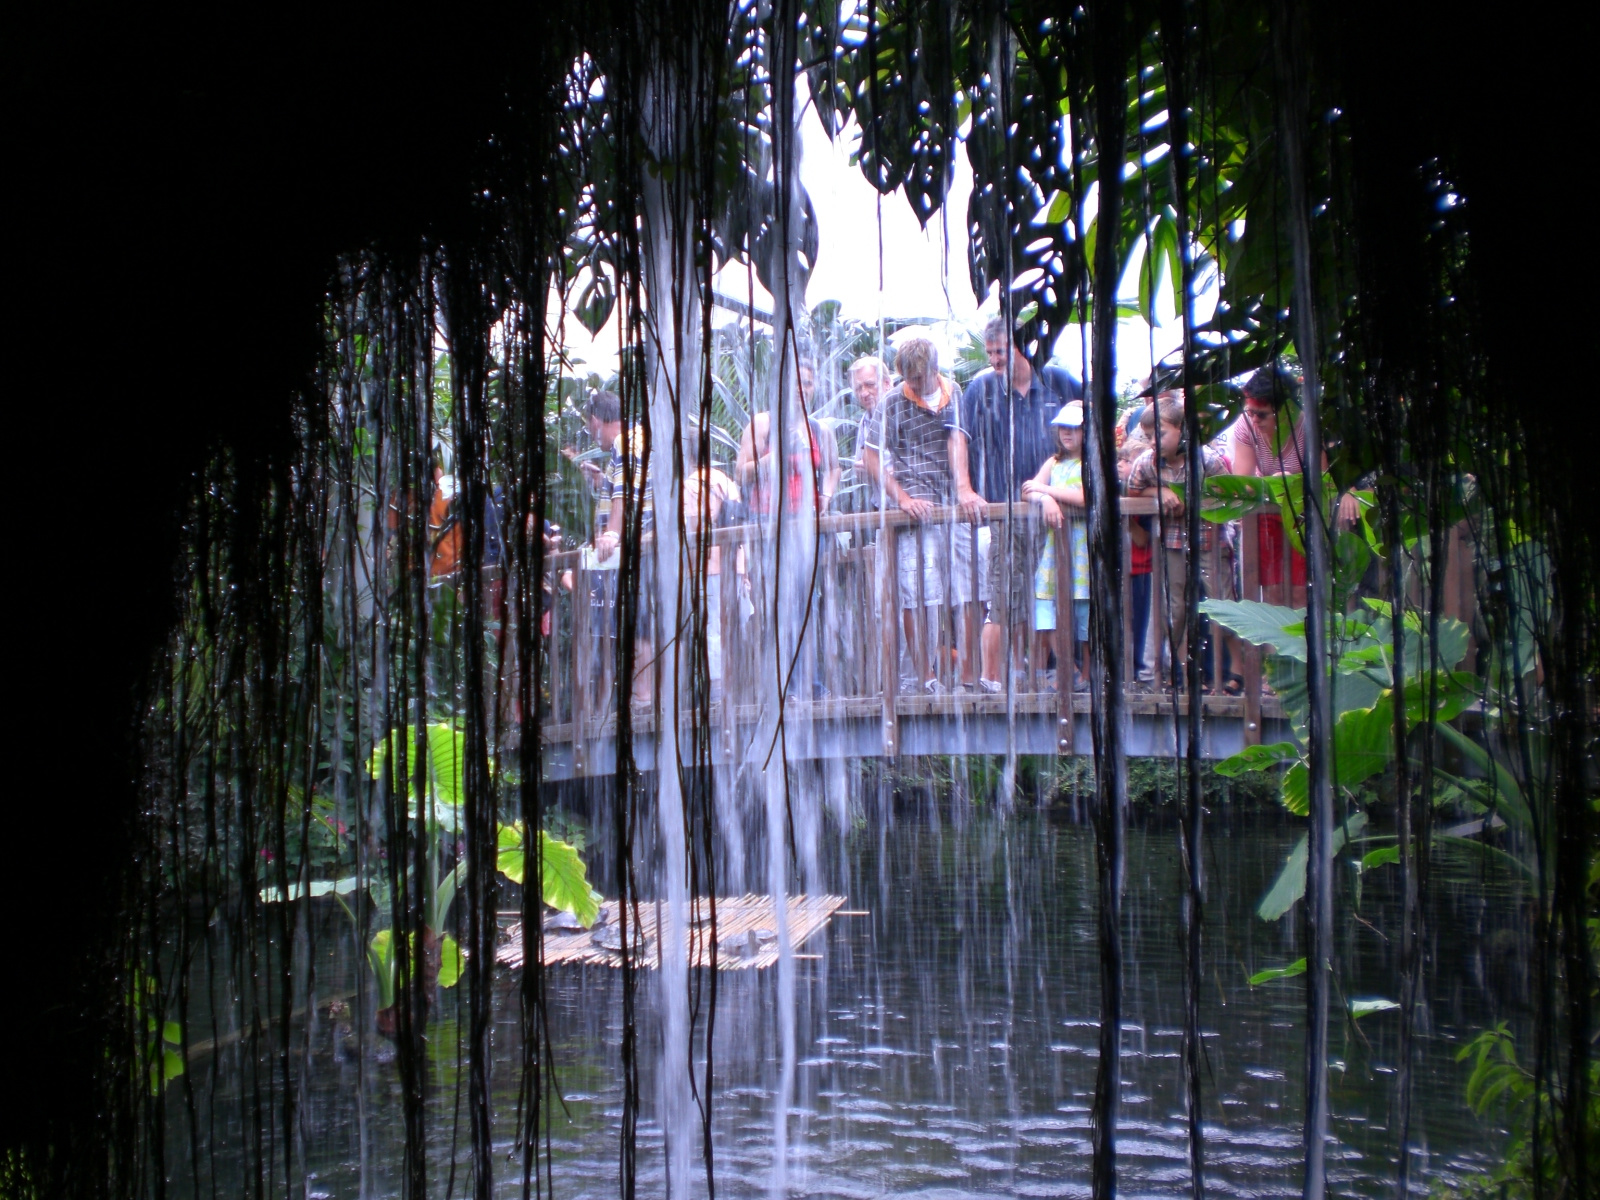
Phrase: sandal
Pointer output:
(1234, 686)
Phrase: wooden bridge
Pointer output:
(839, 705)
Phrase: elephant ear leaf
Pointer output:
(566, 883)
(1296, 794)
(509, 859)
(1281, 629)
(1290, 885)
(1256, 758)
(565, 879)
(447, 750)
(451, 962)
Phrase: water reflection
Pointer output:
(947, 1041)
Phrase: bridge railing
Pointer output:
(854, 652)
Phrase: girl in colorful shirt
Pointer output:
(1060, 480)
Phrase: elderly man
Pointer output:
(869, 379)
(1002, 438)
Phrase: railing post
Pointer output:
(1129, 666)
(547, 604)
(728, 595)
(1214, 631)
(889, 640)
(1066, 636)
(581, 666)
(827, 618)
(1250, 586)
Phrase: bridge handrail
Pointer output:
(854, 656)
(894, 518)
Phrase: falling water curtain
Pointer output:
(1108, 42)
(1175, 43)
(1289, 35)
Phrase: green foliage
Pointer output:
(452, 962)
(162, 1039)
(1365, 1008)
(327, 841)
(1257, 758)
(562, 873)
(1383, 856)
(383, 959)
(1282, 630)
(1152, 782)
(1273, 974)
(1499, 1085)
(446, 753)
(380, 956)
(1290, 885)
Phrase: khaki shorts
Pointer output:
(943, 554)
(1027, 543)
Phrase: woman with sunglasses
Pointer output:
(1271, 440)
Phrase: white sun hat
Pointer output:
(1071, 414)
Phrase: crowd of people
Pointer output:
(942, 455)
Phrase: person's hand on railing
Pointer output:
(606, 545)
(1349, 511)
(1039, 494)
(973, 506)
(1171, 502)
(918, 510)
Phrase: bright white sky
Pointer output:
(924, 271)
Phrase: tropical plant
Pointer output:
(565, 885)
(1363, 688)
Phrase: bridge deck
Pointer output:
(926, 725)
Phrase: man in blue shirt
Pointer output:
(1002, 439)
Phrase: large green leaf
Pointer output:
(380, 955)
(451, 962)
(1229, 497)
(1296, 791)
(1363, 743)
(1283, 629)
(445, 896)
(447, 755)
(1453, 691)
(566, 884)
(1256, 758)
(564, 877)
(1499, 787)
(1380, 857)
(1273, 974)
(1290, 885)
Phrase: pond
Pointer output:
(946, 1041)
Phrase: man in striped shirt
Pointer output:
(934, 563)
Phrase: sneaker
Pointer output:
(934, 688)
(1080, 684)
(909, 684)
(962, 689)
(1146, 675)
(992, 687)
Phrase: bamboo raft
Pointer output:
(747, 933)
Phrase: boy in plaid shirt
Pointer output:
(1153, 474)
